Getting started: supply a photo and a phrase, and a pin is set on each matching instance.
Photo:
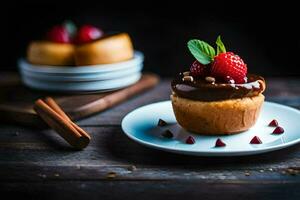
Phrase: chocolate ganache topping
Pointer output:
(201, 90)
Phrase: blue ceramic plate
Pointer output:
(140, 125)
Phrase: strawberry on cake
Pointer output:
(216, 96)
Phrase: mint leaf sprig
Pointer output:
(203, 52)
(71, 28)
(220, 46)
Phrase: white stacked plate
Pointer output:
(80, 79)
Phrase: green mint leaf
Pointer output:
(202, 51)
(71, 28)
(220, 46)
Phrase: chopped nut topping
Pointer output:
(188, 78)
(210, 79)
(187, 73)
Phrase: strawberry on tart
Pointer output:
(217, 96)
(56, 50)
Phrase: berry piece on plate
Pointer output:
(255, 140)
(220, 143)
(199, 70)
(161, 123)
(59, 34)
(168, 134)
(273, 123)
(88, 33)
(190, 140)
(229, 64)
(278, 130)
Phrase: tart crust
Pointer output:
(217, 117)
(110, 49)
(50, 53)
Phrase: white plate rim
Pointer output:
(208, 153)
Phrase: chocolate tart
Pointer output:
(217, 108)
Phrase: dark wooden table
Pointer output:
(40, 165)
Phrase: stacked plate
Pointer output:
(93, 78)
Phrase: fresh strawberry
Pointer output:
(199, 70)
(59, 34)
(229, 64)
(88, 33)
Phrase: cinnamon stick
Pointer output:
(116, 97)
(51, 103)
(61, 125)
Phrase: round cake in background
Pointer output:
(50, 53)
(108, 49)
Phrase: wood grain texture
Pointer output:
(111, 147)
(39, 164)
(16, 102)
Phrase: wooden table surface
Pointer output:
(38, 164)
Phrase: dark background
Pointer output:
(265, 36)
